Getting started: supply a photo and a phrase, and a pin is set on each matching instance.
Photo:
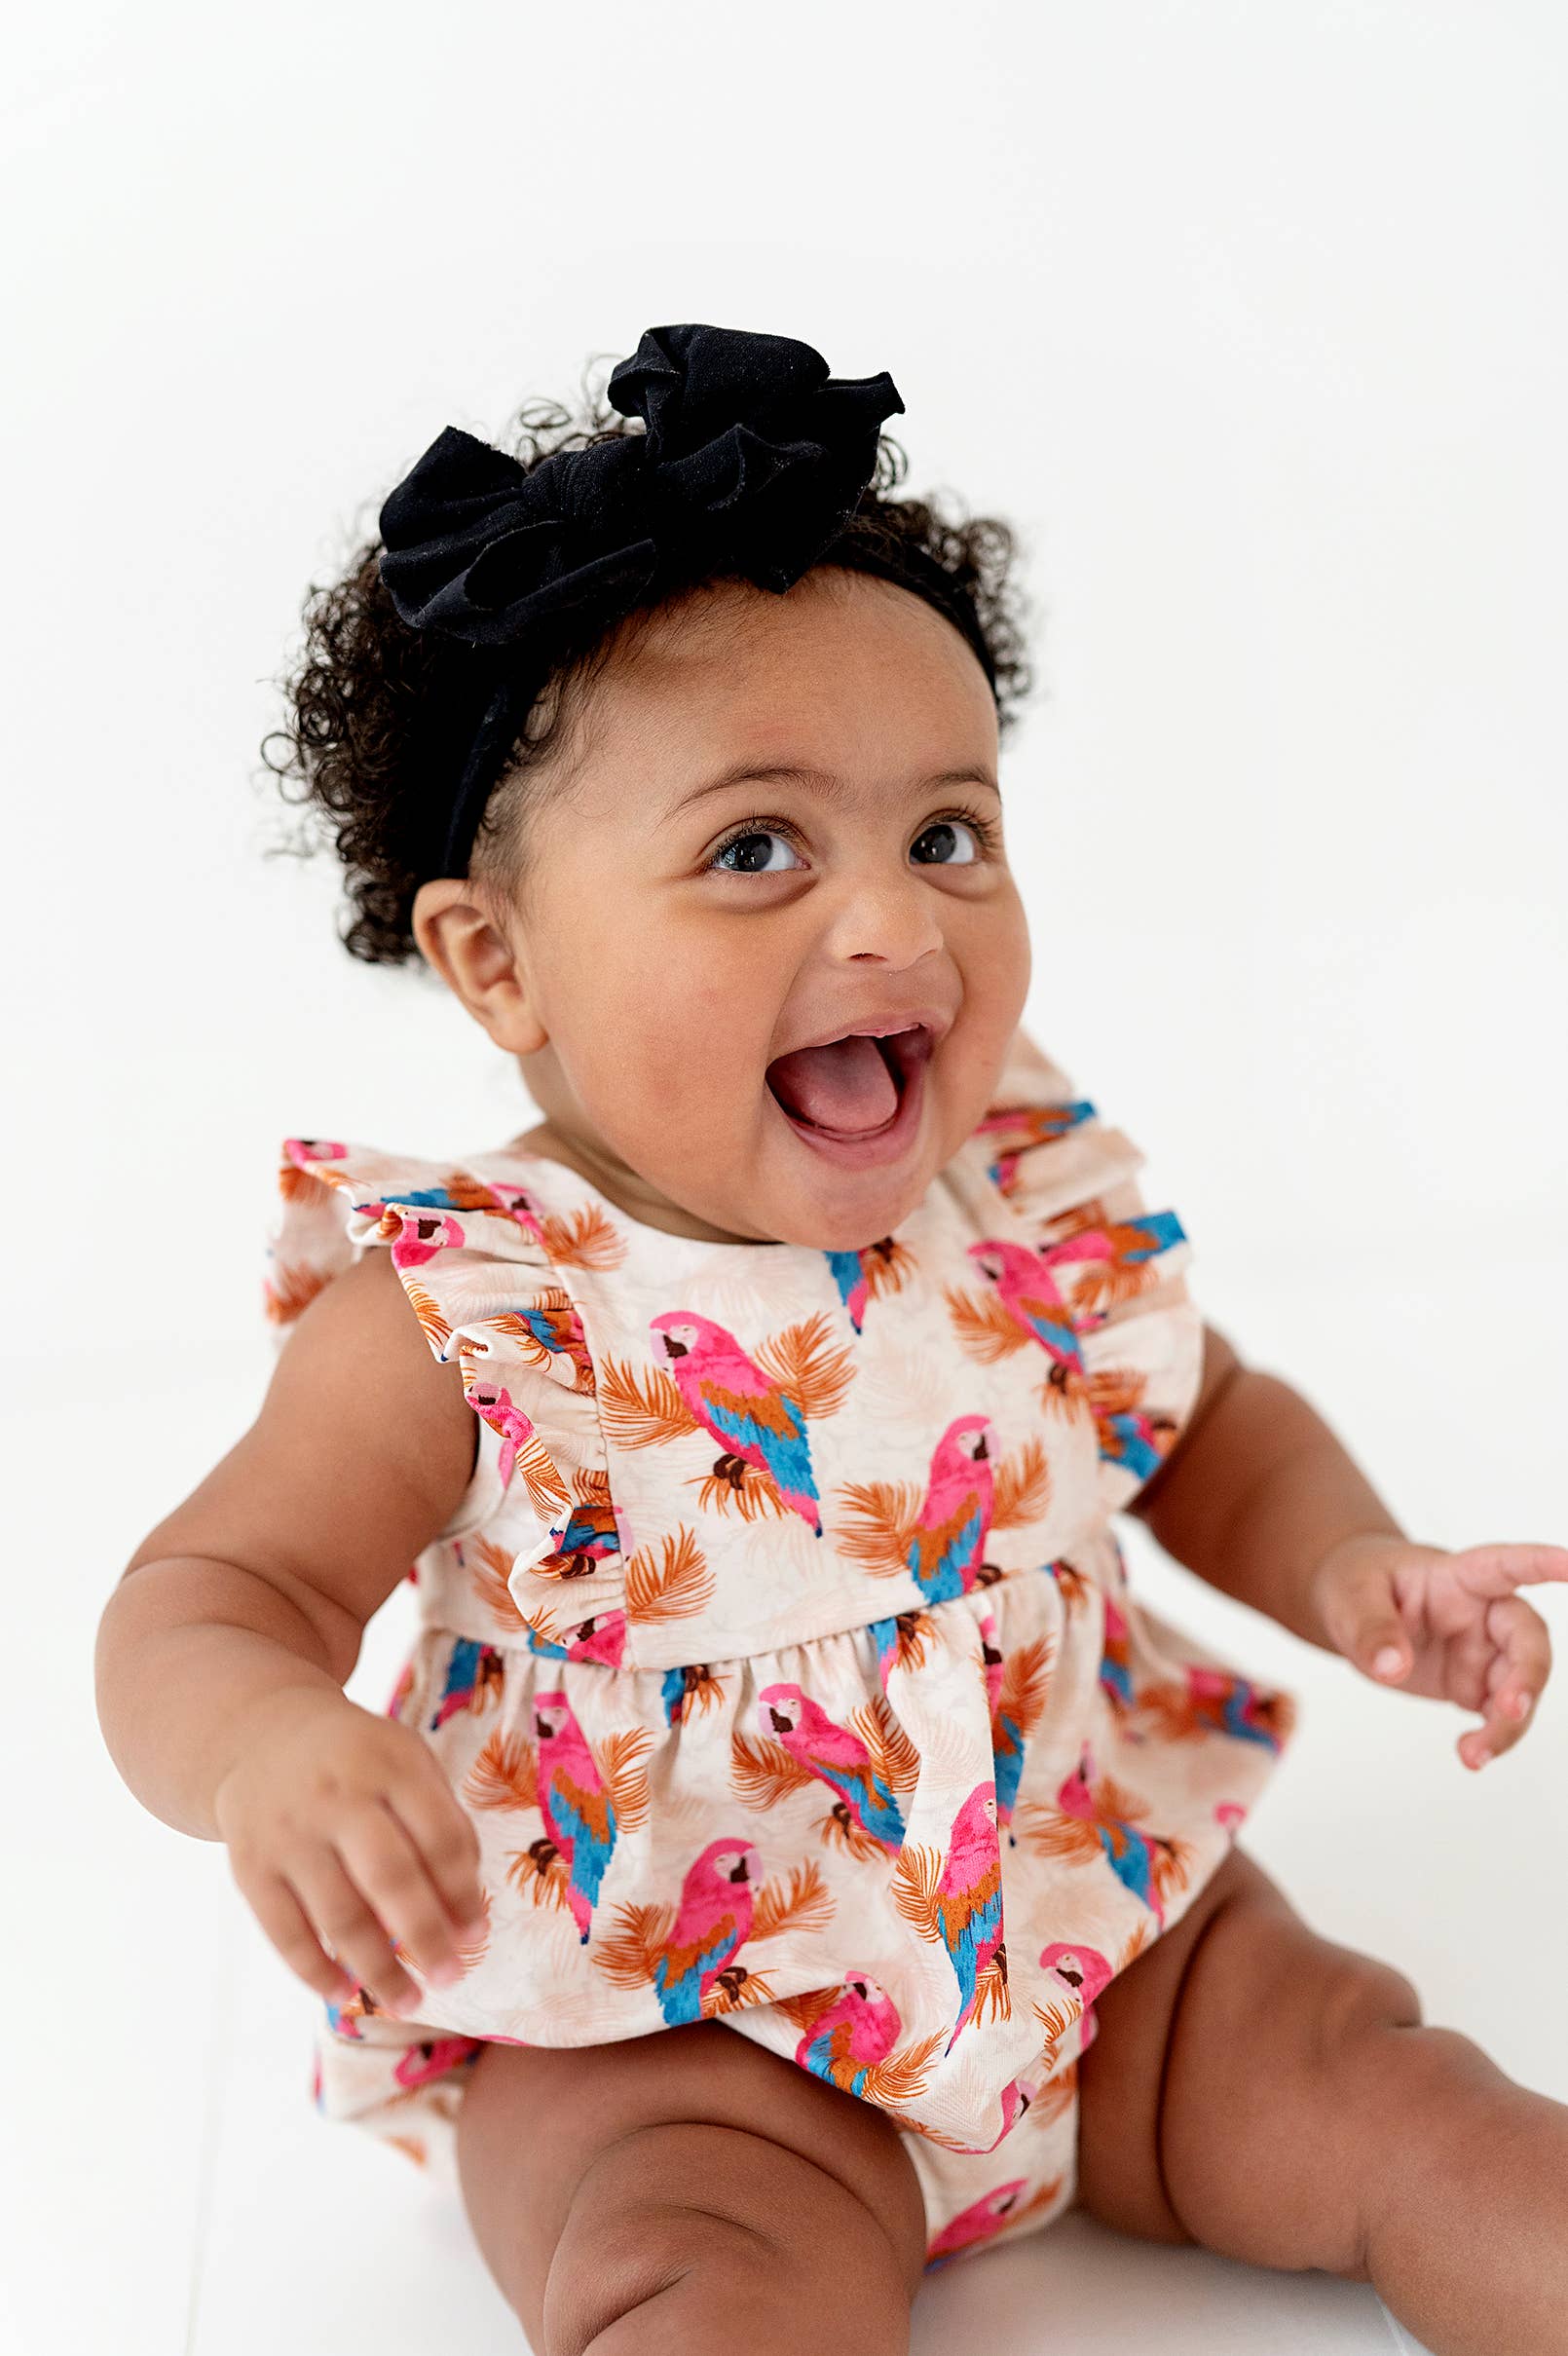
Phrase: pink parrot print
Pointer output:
(987, 2217)
(589, 1534)
(957, 1899)
(432, 2058)
(1218, 1701)
(503, 1415)
(849, 1275)
(788, 1716)
(1016, 1128)
(753, 1419)
(1016, 1688)
(858, 2030)
(1027, 1291)
(1117, 1666)
(576, 1805)
(476, 1674)
(714, 1920)
(601, 1638)
(1081, 1973)
(1096, 1813)
(947, 1546)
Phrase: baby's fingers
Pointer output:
(380, 1857)
(446, 1841)
(1519, 1669)
(320, 1905)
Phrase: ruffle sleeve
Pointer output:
(1117, 1265)
(473, 1258)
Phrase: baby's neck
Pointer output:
(622, 1185)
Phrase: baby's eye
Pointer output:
(945, 838)
(747, 861)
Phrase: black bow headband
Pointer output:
(753, 461)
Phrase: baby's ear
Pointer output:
(478, 961)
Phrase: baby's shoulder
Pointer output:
(478, 1245)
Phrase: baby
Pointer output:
(754, 1423)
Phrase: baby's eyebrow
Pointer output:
(825, 782)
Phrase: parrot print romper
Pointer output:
(781, 1651)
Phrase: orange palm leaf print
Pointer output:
(764, 1773)
(424, 1306)
(643, 1411)
(734, 1987)
(802, 1903)
(1100, 1285)
(805, 1364)
(297, 1185)
(881, 1522)
(670, 1585)
(900, 2075)
(916, 1884)
(893, 1755)
(504, 1775)
(751, 1493)
(1072, 1584)
(628, 1952)
(1056, 2095)
(288, 1292)
(839, 1830)
(619, 1761)
(992, 1999)
(516, 1327)
(887, 1265)
(1116, 1390)
(585, 1239)
(804, 2012)
(1138, 1939)
(1055, 2019)
(489, 1568)
(541, 1475)
(1026, 1682)
(541, 1872)
(1022, 1489)
(984, 1326)
(1053, 1833)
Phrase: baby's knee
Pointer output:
(1358, 1995)
(691, 2237)
(607, 2267)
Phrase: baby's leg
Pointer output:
(687, 2192)
(1278, 2098)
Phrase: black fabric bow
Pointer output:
(754, 458)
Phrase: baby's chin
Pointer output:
(817, 1195)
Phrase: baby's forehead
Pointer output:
(855, 679)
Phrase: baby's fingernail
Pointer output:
(1521, 1703)
(1388, 1660)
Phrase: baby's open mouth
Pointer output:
(849, 1087)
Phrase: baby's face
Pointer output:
(682, 927)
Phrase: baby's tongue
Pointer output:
(844, 1085)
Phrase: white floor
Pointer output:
(170, 2191)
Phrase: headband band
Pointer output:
(753, 462)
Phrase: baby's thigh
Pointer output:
(693, 2168)
(1216, 2099)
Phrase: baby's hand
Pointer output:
(1445, 1625)
(340, 1826)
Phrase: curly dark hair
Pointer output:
(373, 704)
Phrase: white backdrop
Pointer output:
(1255, 323)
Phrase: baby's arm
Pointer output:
(258, 1587)
(1256, 1492)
